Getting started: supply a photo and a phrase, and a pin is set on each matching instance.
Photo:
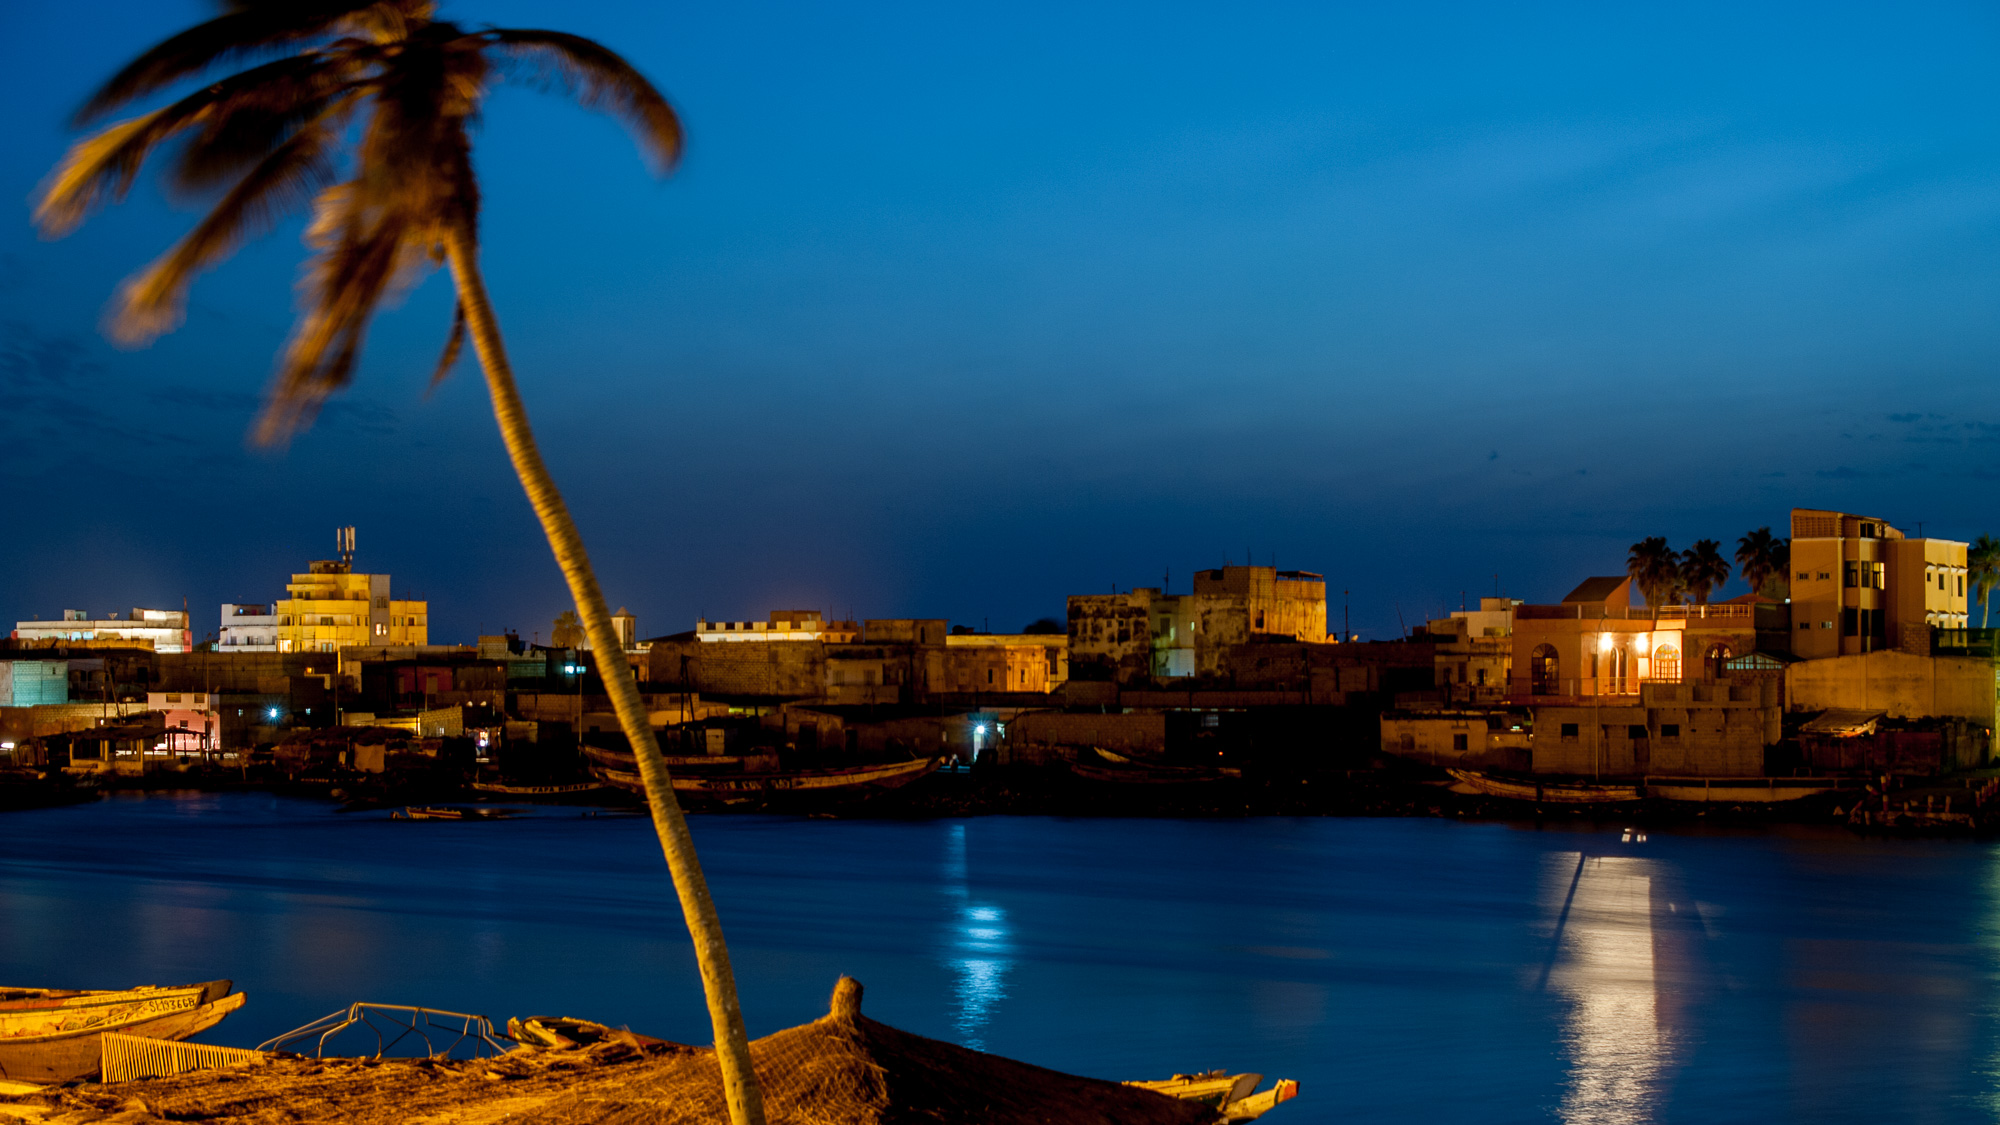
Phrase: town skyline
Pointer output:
(1435, 305)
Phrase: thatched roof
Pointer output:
(842, 1069)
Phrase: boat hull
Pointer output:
(1104, 766)
(1546, 792)
(64, 1043)
(1743, 790)
(780, 786)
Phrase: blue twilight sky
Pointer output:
(954, 310)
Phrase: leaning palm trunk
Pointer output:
(746, 1104)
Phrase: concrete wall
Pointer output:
(1905, 685)
(1034, 737)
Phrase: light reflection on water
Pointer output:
(978, 939)
(1617, 1045)
(1402, 970)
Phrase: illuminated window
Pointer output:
(1667, 664)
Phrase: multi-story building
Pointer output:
(1597, 643)
(164, 630)
(330, 607)
(1146, 633)
(1860, 585)
(248, 628)
(1475, 650)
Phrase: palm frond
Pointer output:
(286, 179)
(453, 345)
(101, 168)
(254, 118)
(598, 78)
(232, 37)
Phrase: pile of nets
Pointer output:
(842, 1069)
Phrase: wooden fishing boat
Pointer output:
(51, 1035)
(449, 812)
(1567, 791)
(622, 760)
(1099, 764)
(1745, 790)
(537, 790)
(1229, 1094)
(738, 787)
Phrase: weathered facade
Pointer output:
(1148, 634)
(1715, 729)
(1466, 738)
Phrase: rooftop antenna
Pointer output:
(343, 542)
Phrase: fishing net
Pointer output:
(842, 1069)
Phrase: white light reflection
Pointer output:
(1618, 1036)
(978, 944)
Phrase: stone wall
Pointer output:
(795, 669)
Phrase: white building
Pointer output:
(164, 630)
(248, 628)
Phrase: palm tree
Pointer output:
(384, 92)
(1703, 569)
(1982, 573)
(1656, 569)
(1764, 560)
(567, 631)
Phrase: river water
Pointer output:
(1401, 969)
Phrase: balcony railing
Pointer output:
(1582, 612)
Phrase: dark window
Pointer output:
(1569, 730)
(1670, 730)
(1636, 731)
(1805, 624)
(1458, 742)
(1850, 622)
(1853, 573)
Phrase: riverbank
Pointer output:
(1388, 787)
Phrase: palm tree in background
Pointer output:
(1982, 572)
(383, 93)
(1656, 569)
(1765, 561)
(567, 631)
(1703, 569)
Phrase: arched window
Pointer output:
(1667, 664)
(1543, 669)
(1719, 654)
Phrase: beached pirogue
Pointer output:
(756, 780)
(841, 1069)
(51, 1035)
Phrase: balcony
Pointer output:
(1584, 612)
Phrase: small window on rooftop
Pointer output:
(1569, 730)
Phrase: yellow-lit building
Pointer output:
(330, 607)
(1859, 585)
